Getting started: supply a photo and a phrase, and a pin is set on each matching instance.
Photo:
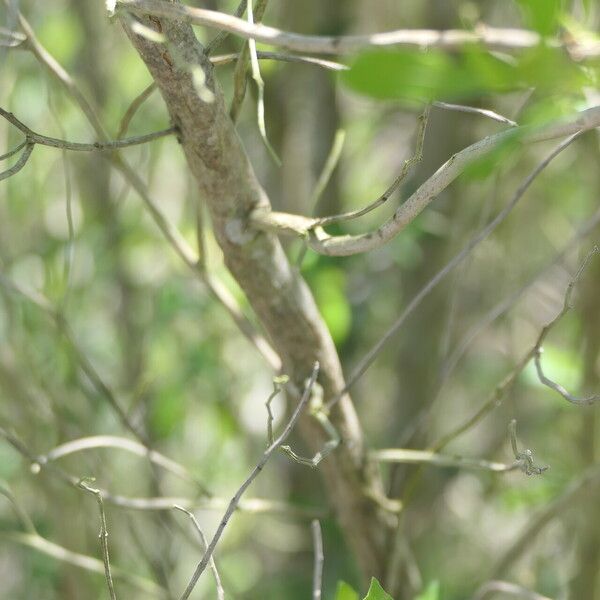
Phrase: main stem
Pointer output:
(277, 293)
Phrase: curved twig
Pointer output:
(492, 38)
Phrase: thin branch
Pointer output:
(241, 67)
(223, 35)
(82, 561)
(345, 245)
(550, 511)
(478, 111)
(225, 59)
(20, 163)
(318, 560)
(523, 460)
(260, 84)
(256, 506)
(173, 236)
(19, 510)
(132, 109)
(121, 443)
(13, 151)
(253, 475)
(491, 588)
(368, 359)
(506, 384)
(492, 38)
(83, 484)
(213, 566)
(10, 39)
(406, 167)
(58, 318)
(428, 457)
(37, 138)
(331, 163)
(567, 306)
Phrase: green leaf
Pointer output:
(431, 592)
(416, 77)
(376, 592)
(345, 592)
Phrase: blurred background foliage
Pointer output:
(196, 388)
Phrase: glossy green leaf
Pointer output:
(345, 592)
(376, 592)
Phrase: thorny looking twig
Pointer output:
(213, 566)
(253, 475)
(84, 484)
(318, 560)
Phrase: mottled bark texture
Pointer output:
(276, 292)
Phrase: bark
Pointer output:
(276, 292)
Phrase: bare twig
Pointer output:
(428, 457)
(368, 359)
(318, 560)
(36, 138)
(497, 39)
(498, 394)
(13, 151)
(162, 503)
(546, 514)
(172, 235)
(567, 306)
(223, 35)
(213, 566)
(478, 111)
(20, 163)
(524, 459)
(345, 245)
(132, 109)
(84, 484)
(121, 443)
(225, 59)
(241, 67)
(253, 475)
(82, 561)
(406, 167)
(260, 84)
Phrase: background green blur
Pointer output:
(197, 388)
